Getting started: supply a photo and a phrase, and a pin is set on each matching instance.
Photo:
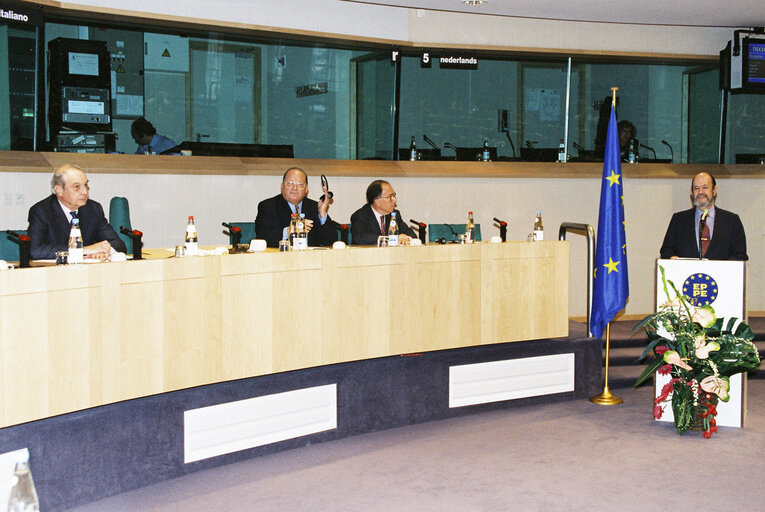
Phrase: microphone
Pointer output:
(649, 148)
(343, 228)
(450, 146)
(578, 147)
(325, 184)
(135, 236)
(421, 227)
(671, 153)
(510, 140)
(429, 141)
(502, 229)
(235, 232)
(25, 245)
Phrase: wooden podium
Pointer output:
(721, 284)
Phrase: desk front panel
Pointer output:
(87, 335)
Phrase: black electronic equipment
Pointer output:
(78, 142)
(80, 86)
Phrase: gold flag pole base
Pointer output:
(606, 398)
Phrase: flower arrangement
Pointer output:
(700, 353)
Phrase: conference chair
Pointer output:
(347, 238)
(9, 249)
(248, 232)
(449, 232)
(119, 215)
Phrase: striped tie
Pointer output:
(382, 224)
(704, 237)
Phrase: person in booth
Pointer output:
(274, 214)
(627, 132)
(148, 140)
(705, 231)
(50, 219)
(373, 219)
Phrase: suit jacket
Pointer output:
(365, 229)
(728, 239)
(49, 228)
(274, 215)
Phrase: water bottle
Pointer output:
(301, 242)
(539, 231)
(292, 231)
(192, 245)
(485, 154)
(23, 497)
(75, 243)
(632, 153)
(470, 229)
(393, 231)
(562, 151)
(412, 150)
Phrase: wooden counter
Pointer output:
(21, 161)
(79, 336)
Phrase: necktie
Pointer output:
(382, 224)
(74, 215)
(704, 237)
(297, 209)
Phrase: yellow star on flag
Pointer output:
(611, 265)
(614, 178)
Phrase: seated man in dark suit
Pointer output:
(50, 219)
(274, 213)
(720, 237)
(373, 219)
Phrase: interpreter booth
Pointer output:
(721, 284)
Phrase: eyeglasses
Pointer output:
(294, 184)
(392, 196)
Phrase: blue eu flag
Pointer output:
(610, 285)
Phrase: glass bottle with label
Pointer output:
(301, 242)
(393, 231)
(292, 231)
(470, 229)
(192, 245)
(76, 254)
(539, 231)
(561, 151)
(485, 154)
(412, 150)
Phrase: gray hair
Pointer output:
(59, 175)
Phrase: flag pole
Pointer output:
(606, 398)
(613, 92)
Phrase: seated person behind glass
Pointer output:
(148, 140)
(627, 132)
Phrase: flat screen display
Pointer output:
(83, 64)
(754, 64)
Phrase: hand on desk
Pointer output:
(99, 250)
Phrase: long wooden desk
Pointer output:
(79, 336)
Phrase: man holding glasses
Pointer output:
(274, 213)
(373, 219)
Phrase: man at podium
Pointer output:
(705, 231)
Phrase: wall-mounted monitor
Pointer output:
(753, 65)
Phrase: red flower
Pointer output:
(707, 434)
(660, 349)
(664, 370)
(658, 411)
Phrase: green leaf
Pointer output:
(649, 370)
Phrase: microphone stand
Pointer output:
(702, 224)
(511, 141)
(649, 148)
(135, 236)
(25, 246)
(421, 227)
(671, 152)
(502, 229)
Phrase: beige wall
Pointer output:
(430, 27)
(160, 204)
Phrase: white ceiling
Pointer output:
(705, 13)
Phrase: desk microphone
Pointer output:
(135, 236)
(25, 245)
(671, 153)
(502, 229)
(429, 141)
(235, 232)
(649, 148)
(421, 227)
